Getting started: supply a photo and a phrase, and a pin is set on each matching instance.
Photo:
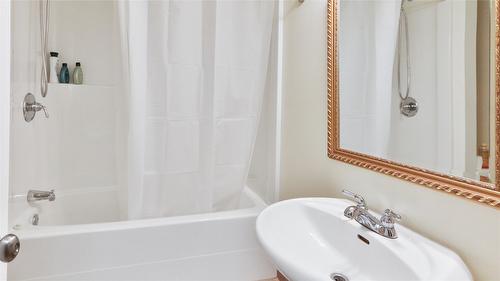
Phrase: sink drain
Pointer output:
(338, 277)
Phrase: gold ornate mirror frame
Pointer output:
(480, 192)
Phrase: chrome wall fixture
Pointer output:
(408, 106)
(39, 195)
(383, 226)
(30, 107)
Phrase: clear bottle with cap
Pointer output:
(78, 74)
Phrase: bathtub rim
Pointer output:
(35, 232)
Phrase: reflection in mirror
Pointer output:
(416, 83)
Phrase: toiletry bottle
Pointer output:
(64, 74)
(54, 59)
(78, 74)
(485, 154)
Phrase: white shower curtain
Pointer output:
(195, 79)
(368, 33)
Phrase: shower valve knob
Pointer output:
(31, 106)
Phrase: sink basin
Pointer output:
(310, 239)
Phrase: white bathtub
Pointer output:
(213, 246)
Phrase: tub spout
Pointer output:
(38, 195)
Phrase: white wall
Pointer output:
(470, 229)
(74, 149)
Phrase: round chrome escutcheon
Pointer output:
(408, 107)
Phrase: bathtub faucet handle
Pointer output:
(31, 107)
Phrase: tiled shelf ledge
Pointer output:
(71, 86)
(56, 89)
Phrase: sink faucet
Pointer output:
(38, 195)
(383, 226)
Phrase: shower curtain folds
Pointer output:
(195, 77)
(368, 32)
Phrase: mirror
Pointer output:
(412, 90)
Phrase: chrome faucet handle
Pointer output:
(389, 217)
(31, 107)
(356, 197)
(44, 110)
(38, 106)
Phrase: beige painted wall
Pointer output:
(472, 230)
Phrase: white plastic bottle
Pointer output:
(54, 60)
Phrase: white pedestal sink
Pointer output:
(310, 239)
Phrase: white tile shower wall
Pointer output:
(86, 31)
(75, 147)
(70, 150)
(307, 171)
